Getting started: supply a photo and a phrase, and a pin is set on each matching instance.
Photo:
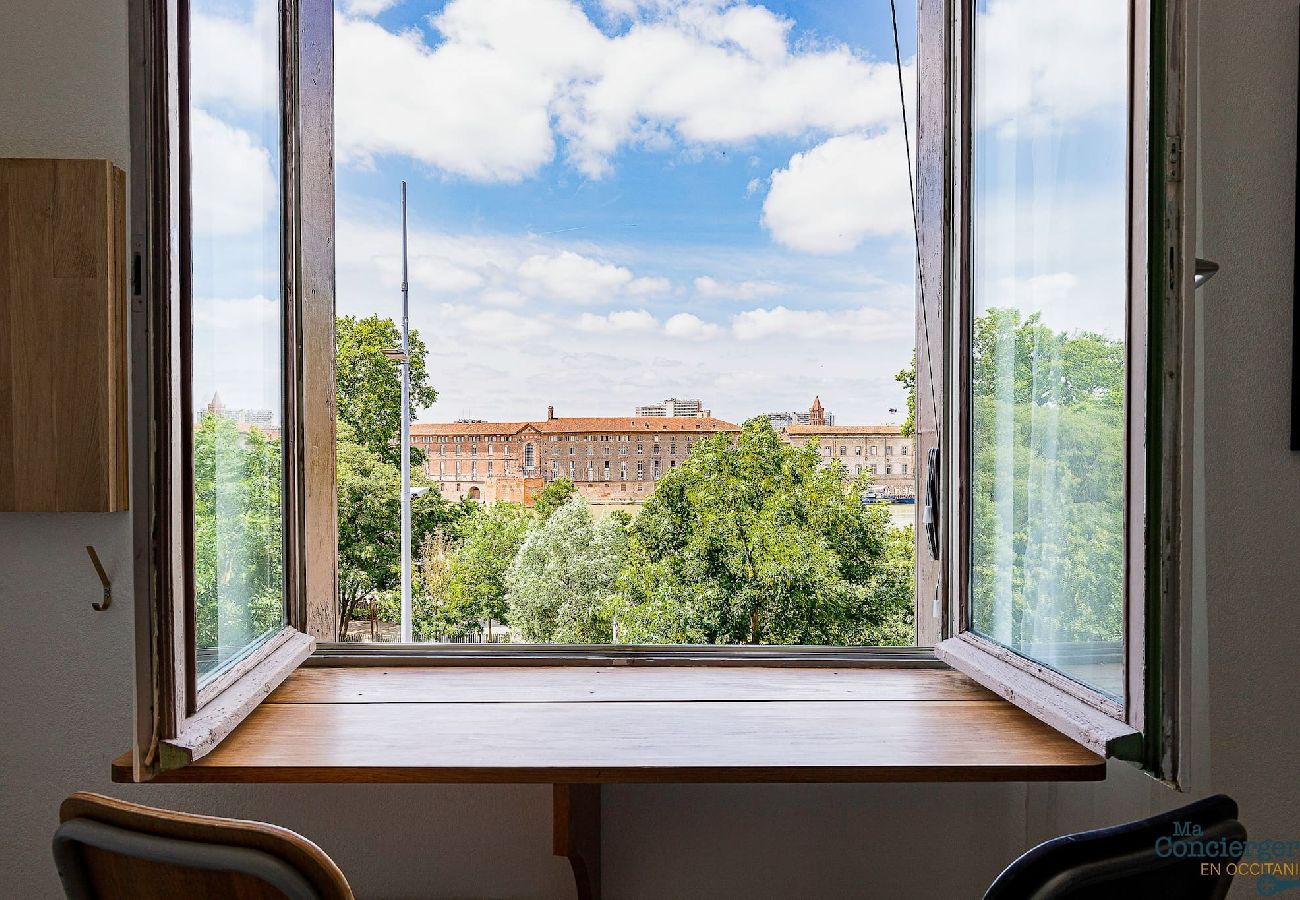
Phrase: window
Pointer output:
(1052, 572)
(1040, 445)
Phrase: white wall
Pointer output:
(65, 679)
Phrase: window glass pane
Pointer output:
(234, 132)
(1049, 282)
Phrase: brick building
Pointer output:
(879, 449)
(610, 459)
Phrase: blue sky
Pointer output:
(616, 201)
(655, 264)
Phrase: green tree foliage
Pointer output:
(238, 552)
(756, 542)
(1047, 481)
(563, 583)
(552, 497)
(476, 588)
(369, 514)
(369, 384)
(907, 378)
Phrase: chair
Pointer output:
(1150, 858)
(109, 849)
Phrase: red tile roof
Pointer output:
(580, 425)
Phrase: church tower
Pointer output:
(817, 415)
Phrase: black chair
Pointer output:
(1159, 857)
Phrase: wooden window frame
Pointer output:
(1142, 725)
(177, 719)
(176, 723)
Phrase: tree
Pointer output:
(552, 497)
(369, 384)
(756, 542)
(563, 583)
(907, 378)
(238, 551)
(432, 616)
(369, 515)
(489, 541)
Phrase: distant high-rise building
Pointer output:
(673, 408)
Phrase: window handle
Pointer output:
(1205, 270)
(932, 501)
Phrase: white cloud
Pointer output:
(367, 7)
(234, 187)
(574, 277)
(503, 298)
(711, 288)
(685, 326)
(649, 286)
(864, 324)
(477, 105)
(496, 326)
(235, 62)
(631, 320)
(489, 100)
(833, 196)
(235, 313)
(1046, 65)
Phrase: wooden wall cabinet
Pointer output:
(63, 345)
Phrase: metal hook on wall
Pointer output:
(103, 577)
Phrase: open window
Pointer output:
(233, 260)
(1045, 459)
(1056, 302)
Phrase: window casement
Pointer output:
(229, 604)
(1113, 696)
(1013, 174)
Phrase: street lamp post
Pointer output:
(406, 439)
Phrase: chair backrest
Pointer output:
(1155, 857)
(109, 849)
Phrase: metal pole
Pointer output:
(406, 439)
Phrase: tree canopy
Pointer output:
(757, 542)
(369, 384)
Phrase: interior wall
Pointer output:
(66, 670)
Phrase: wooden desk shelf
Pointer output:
(606, 725)
(578, 728)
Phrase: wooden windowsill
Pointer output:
(629, 724)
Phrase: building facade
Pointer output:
(610, 460)
(878, 450)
